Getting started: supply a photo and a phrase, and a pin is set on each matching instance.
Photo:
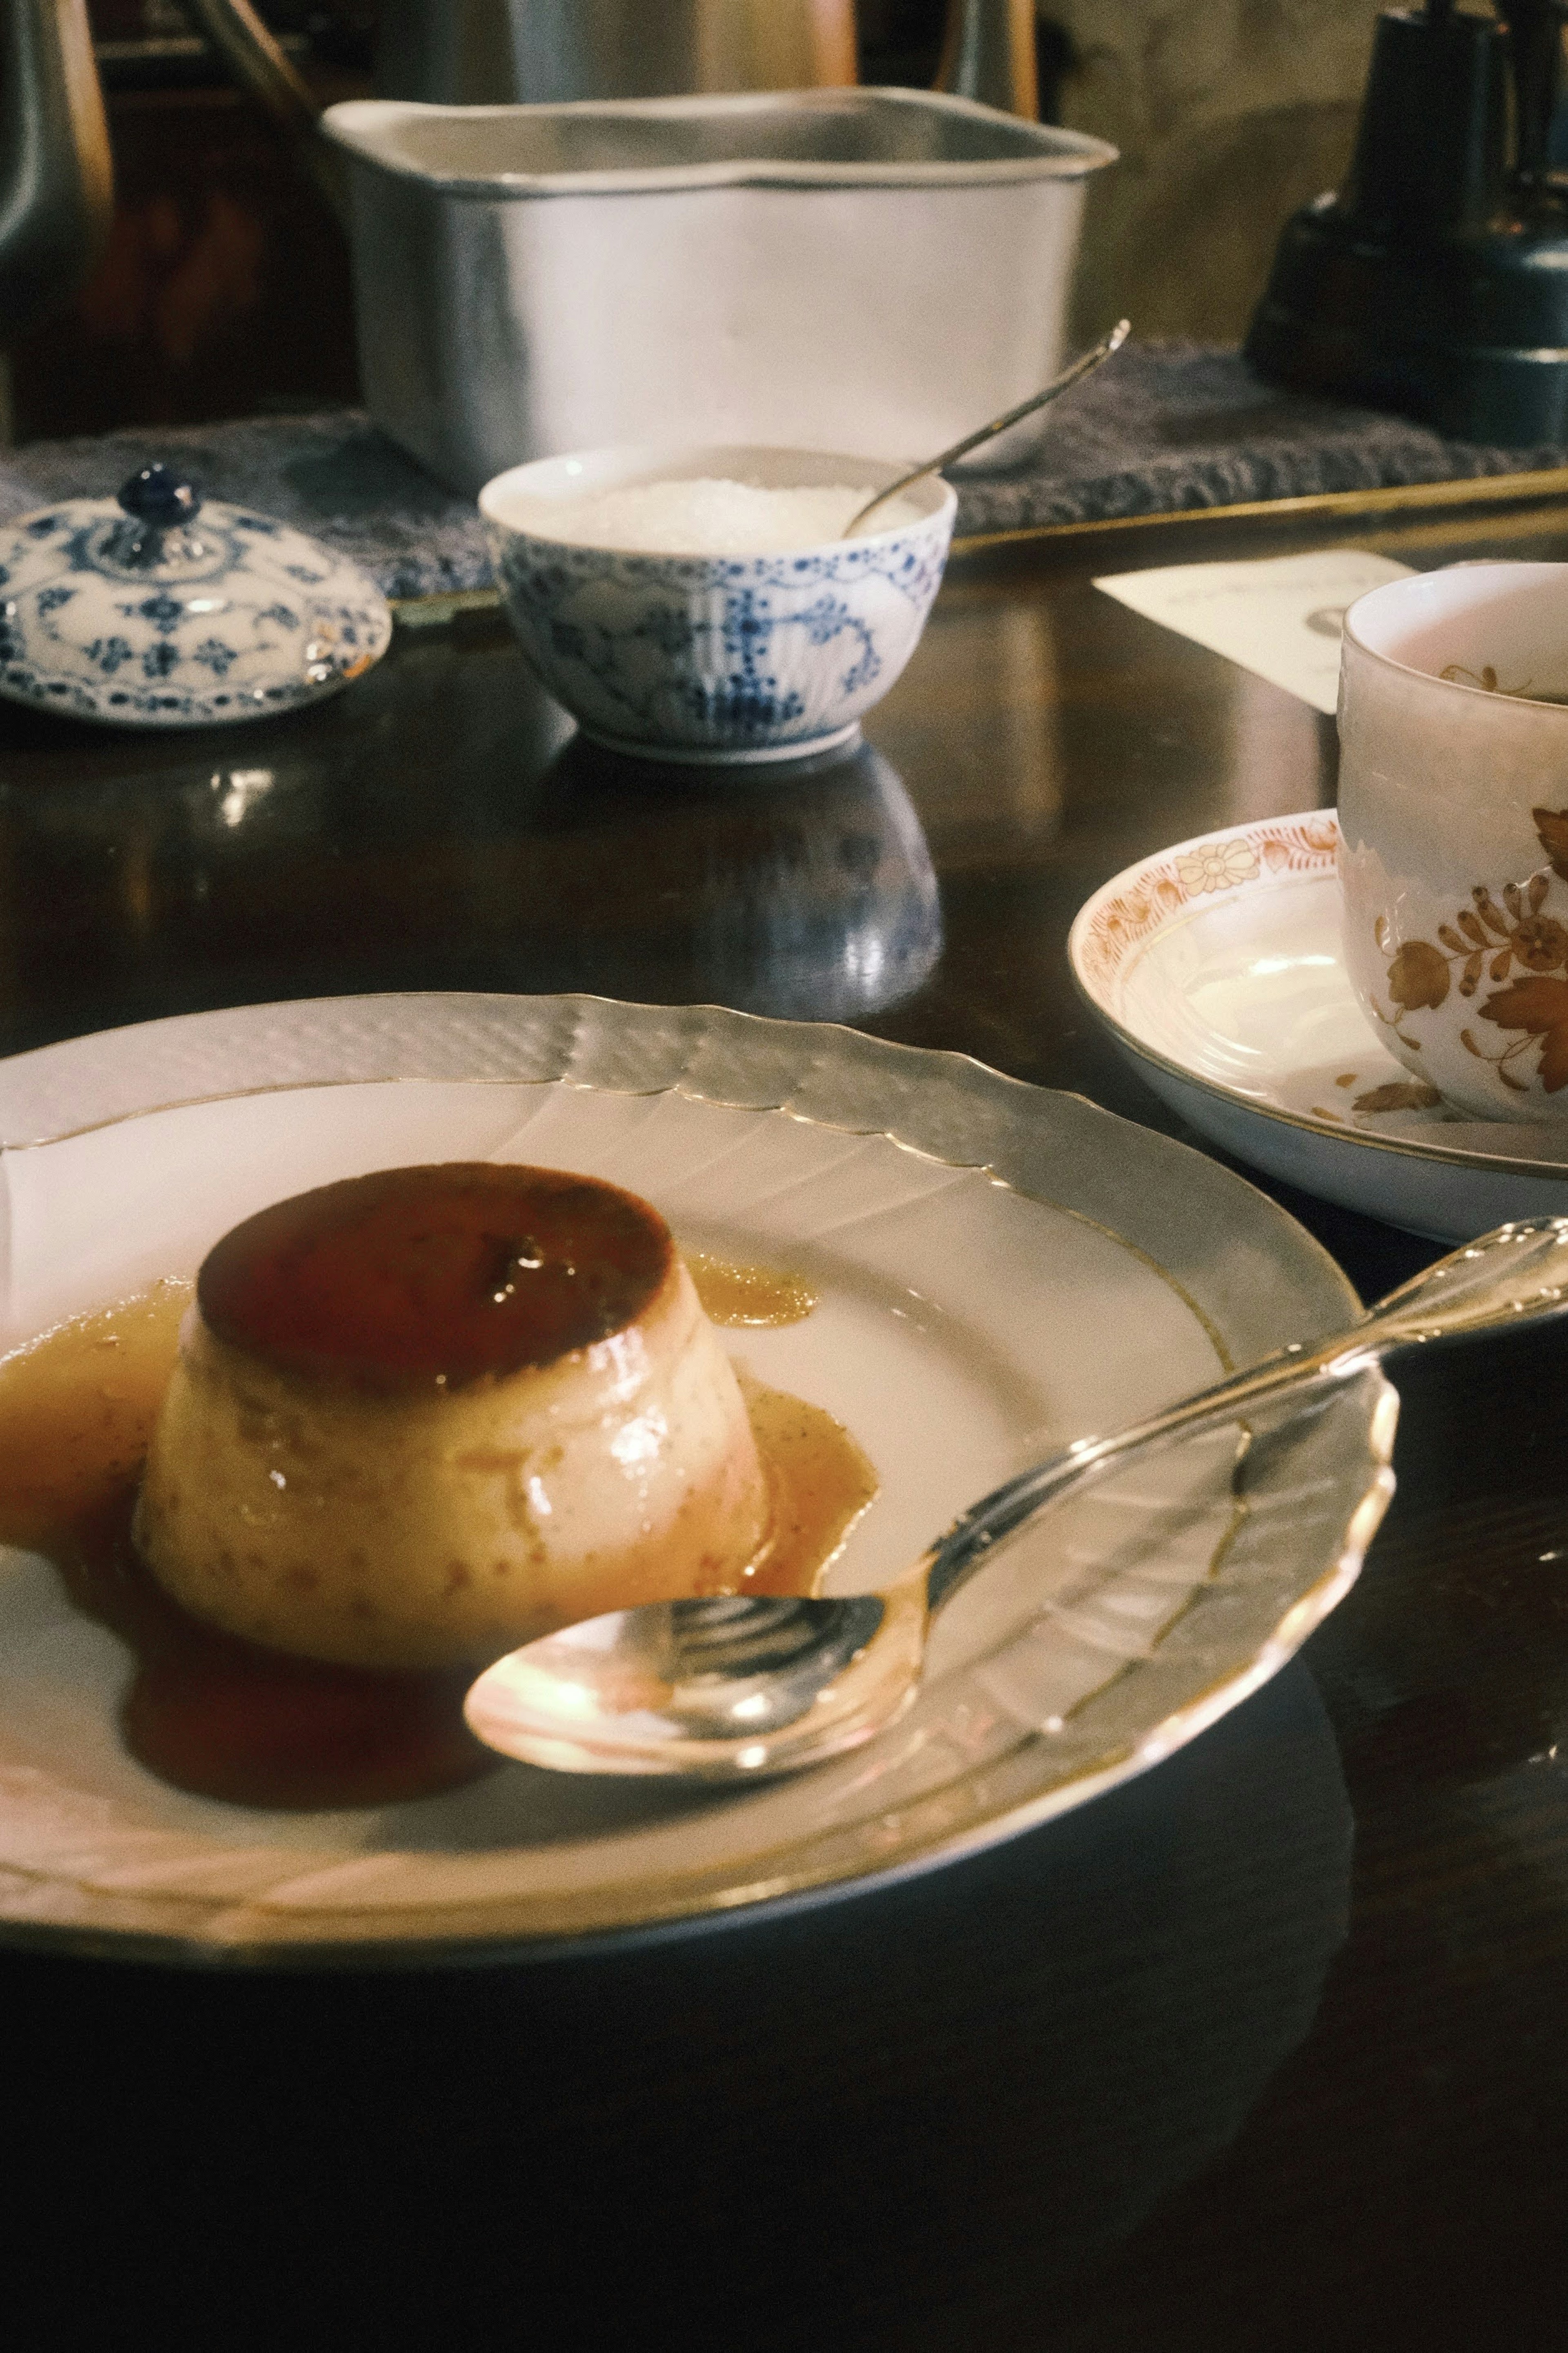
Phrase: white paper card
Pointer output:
(1280, 618)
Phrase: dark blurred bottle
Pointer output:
(988, 54)
(466, 52)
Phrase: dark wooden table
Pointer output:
(1267, 2050)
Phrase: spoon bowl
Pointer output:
(734, 1688)
(718, 1689)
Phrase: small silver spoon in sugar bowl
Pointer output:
(734, 1688)
(1080, 367)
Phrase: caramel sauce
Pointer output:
(738, 1296)
(819, 1483)
(436, 1275)
(226, 1718)
(221, 1717)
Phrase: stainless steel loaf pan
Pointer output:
(859, 269)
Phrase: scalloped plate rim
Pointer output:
(510, 1945)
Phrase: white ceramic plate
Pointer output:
(1000, 1269)
(1217, 967)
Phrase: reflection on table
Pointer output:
(725, 2118)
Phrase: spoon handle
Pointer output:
(1047, 392)
(1518, 1270)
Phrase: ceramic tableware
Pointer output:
(1454, 819)
(716, 658)
(162, 609)
(1217, 966)
(997, 1269)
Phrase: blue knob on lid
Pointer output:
(157, 496)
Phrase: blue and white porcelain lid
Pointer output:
(161, 610)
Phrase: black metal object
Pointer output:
(1436, 281)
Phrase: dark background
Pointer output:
(225, 291)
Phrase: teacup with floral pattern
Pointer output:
(1454, 830)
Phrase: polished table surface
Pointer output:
(1267, 2049)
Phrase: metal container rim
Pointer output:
(361, 127)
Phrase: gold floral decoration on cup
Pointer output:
(1487, 942)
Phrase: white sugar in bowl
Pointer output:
(700, 605)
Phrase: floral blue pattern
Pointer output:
(738, 656)
(135, 617)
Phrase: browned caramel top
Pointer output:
(416, 1277)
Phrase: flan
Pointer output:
(421, 1417)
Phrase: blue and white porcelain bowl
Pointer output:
(732, 658)
(155, 610)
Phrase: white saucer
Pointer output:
(1217, 967)
(999, 1270)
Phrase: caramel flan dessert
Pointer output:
(421, 1417)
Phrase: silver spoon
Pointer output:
(734, 1688)
(1052, 391)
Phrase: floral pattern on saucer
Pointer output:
(220, 614)
(1162, 886)
(1295, 848)
(1228, 993)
